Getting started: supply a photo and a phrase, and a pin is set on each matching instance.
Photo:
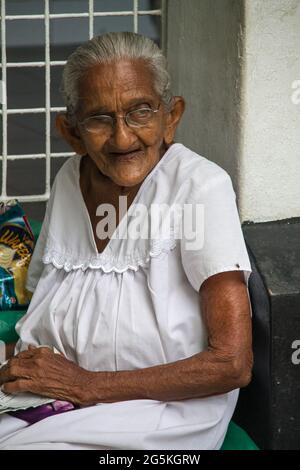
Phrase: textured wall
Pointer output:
(204, 54)
(270, 176)
(235, 62)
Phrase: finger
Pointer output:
(41, 351)
(13, 371)
(2, 377)
(16, 386)
(23, 385)
(31, 353)
(24, 354)
(5, 374)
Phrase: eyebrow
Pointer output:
(131, 103)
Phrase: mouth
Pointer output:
(126, 156)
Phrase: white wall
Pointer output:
(270, 158)
(235, 62)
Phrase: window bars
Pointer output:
(91, 14)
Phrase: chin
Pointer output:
(129, 181)
(129, 178)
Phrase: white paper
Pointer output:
(21, 401)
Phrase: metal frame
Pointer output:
(47, 63)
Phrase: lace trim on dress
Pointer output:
(108, 263)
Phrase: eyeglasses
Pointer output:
(140, 117)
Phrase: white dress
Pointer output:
(135, 305)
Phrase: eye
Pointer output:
(141, 114)
(98, 123)
(102, 119)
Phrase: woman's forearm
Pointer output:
(200, 375)
(226, 364)
(40, 371)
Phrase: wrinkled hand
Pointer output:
(41, 371)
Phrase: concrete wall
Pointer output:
(203, 48)
(235, 61)
(270, 176)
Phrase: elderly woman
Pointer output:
(153, 333)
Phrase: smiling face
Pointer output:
(124, 154)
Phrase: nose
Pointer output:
(122, 136)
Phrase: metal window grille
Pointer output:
(136, 13)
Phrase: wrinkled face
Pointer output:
(125, 154)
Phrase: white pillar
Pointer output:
(236, 62)
(270, 158)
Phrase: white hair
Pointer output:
(111, 47)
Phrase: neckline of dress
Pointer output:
(86, 214)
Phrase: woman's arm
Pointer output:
(225, 365)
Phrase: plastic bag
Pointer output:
(16, 248)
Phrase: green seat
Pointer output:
(236, 438)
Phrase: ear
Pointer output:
(173, 118)
(70, 134)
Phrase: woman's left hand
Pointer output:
(41, 371)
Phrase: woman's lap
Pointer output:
(10, 425)
(134, 424)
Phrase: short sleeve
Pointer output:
(36, 264)
(220, 242)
